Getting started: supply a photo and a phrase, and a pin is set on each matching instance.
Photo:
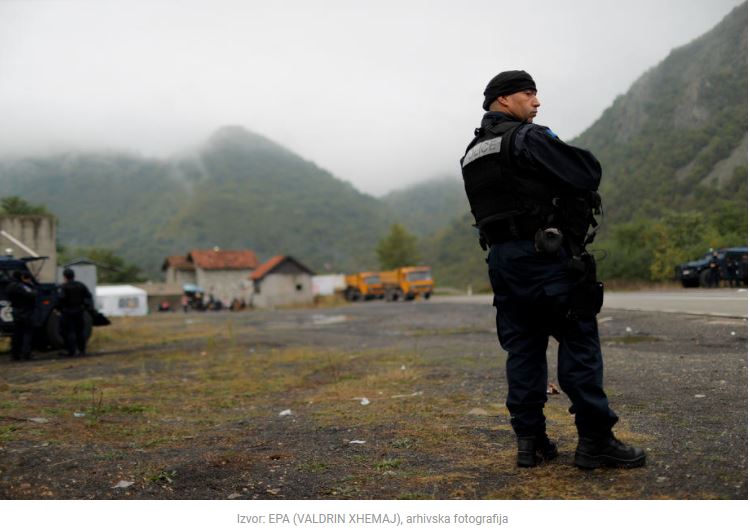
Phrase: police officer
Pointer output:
(75, 299)
(534, 198)
(713, 271)
(731, 265)
(22, 296)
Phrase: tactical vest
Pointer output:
(506, 200)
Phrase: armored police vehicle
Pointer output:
(732, 268)
(47, 333)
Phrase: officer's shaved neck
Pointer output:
(497, 107)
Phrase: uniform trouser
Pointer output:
(73, 328)
(23, 335)
(531, 294)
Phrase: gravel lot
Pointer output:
(190, 406)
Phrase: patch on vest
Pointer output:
(487, 147)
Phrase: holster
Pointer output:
(586, 295)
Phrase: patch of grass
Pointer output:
(6, 432)
(344, 491)
(163, 477)
(111, 455)
(388, 463)
(134, 408)
(402, 443)
(314, 467)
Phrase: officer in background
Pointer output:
(732, 270)
(713, 271)
(74, 301)
(22, 295)
(533, 198)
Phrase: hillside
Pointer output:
(428, 206)
(106, 199)
(678, 138)
(238, 190)
(250, 192)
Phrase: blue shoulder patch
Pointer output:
(551, 133)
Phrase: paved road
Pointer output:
(717, 302)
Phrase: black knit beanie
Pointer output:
(506, 83)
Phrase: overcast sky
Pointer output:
(381, 93)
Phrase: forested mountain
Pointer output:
(111, 200)
(240, 190)
(678, 138)
(247, 191)
(428, 206)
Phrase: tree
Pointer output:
(19, 206)
(110, 268)
(398, 248)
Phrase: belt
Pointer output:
(516, 228)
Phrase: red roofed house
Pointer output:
(221, 273)
(282, 281)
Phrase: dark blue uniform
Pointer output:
(74, 301)
(533, 290)
(22, 295)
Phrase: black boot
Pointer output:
(534, 449)
(607, 451)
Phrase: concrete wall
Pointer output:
(283, 289)
(36, 232)
(175, 276)
(225, 285)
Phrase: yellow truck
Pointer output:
(407, 283)
(363, 285)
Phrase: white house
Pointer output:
(282, 281)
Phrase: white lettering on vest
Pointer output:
(487, 147)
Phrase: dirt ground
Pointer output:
(362, 401)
